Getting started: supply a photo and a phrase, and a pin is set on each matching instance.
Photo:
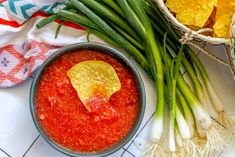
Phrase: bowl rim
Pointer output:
(114, 52)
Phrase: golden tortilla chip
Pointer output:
(94, 81)
(225, 11)
(192, 12)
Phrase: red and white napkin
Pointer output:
(23, 47)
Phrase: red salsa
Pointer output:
(66, 120)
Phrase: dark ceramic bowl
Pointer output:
(105, 49)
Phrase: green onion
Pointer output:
(198, 110)
(152, 50)
(115, 36)
(104, 37)
(132, 18)
(58, 29)
(213, 96)
(47, 20)
(113, 5)
(128, 37)
(200, 114)
(182, 124)
(106, 12)
(178, 137)
(78, 19)
(187, 113)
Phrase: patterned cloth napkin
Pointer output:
(23, 47)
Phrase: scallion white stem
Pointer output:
(182, 124)
(200, 114)
(213, 96)
(156, 129)
(171, 143)
(187, 113)
(178, 137)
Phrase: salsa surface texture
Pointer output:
(65, 119)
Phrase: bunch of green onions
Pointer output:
(139, 28)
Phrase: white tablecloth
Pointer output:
(19, 137)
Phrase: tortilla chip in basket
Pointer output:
(225, 11)
(192, 12)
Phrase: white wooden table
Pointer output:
(19, 137)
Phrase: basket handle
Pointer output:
(231, 54)
(232, 44)
(187, 38)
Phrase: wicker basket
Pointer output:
(232, 47)
(184, 29)
(227, 42)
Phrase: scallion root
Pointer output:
(190, 149)
(228, 126)
(186, 147)
(215, 141)
(200, 143)
(154, 149)
(201, 132)
(174, 154)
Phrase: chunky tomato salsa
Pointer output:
(67, 121)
